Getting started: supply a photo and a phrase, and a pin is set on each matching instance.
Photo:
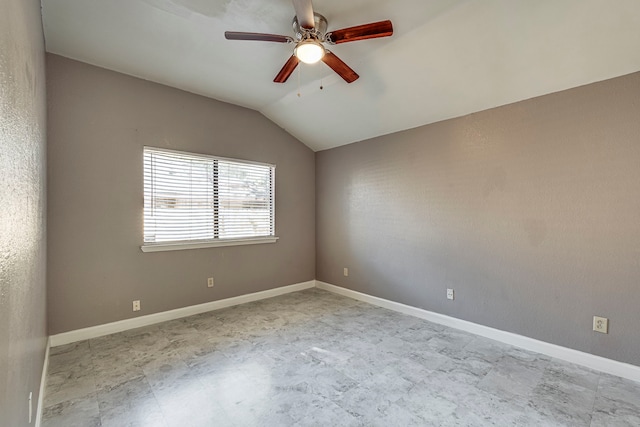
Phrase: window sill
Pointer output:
(160, 247)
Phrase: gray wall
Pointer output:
(529, 211)
(99, 121)
(22, 208)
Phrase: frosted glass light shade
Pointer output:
(309, 51)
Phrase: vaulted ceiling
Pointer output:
(446, 58)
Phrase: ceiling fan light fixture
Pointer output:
(309, 51)
(310, 31)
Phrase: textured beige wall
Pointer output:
(99, 121)
(529, 211)
(22, 208)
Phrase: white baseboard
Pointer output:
(150, 319)
(43, 385)
(588, 360)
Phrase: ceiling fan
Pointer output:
(310, 31)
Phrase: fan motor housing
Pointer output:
(320, 27)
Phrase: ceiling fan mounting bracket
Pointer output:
(327, 38)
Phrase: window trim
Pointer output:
(199, 244)
(160, 247)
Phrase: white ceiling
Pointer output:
(446, 58)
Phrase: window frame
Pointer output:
(216, 242)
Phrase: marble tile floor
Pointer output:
(313, 358)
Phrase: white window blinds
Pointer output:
(199, 198)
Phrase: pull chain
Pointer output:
(299, 82)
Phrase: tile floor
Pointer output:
(313, 358)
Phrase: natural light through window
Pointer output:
(193, 200)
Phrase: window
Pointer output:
(195, 200)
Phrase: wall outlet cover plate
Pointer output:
(601, 324)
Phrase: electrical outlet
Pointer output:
(601, 324)
(210, 282)
(136, 305)
(450, 294)
(345, 272)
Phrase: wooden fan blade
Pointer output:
(286, 71)
(361, 32)
(304, 13)
(236, 35)
(340, 67)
